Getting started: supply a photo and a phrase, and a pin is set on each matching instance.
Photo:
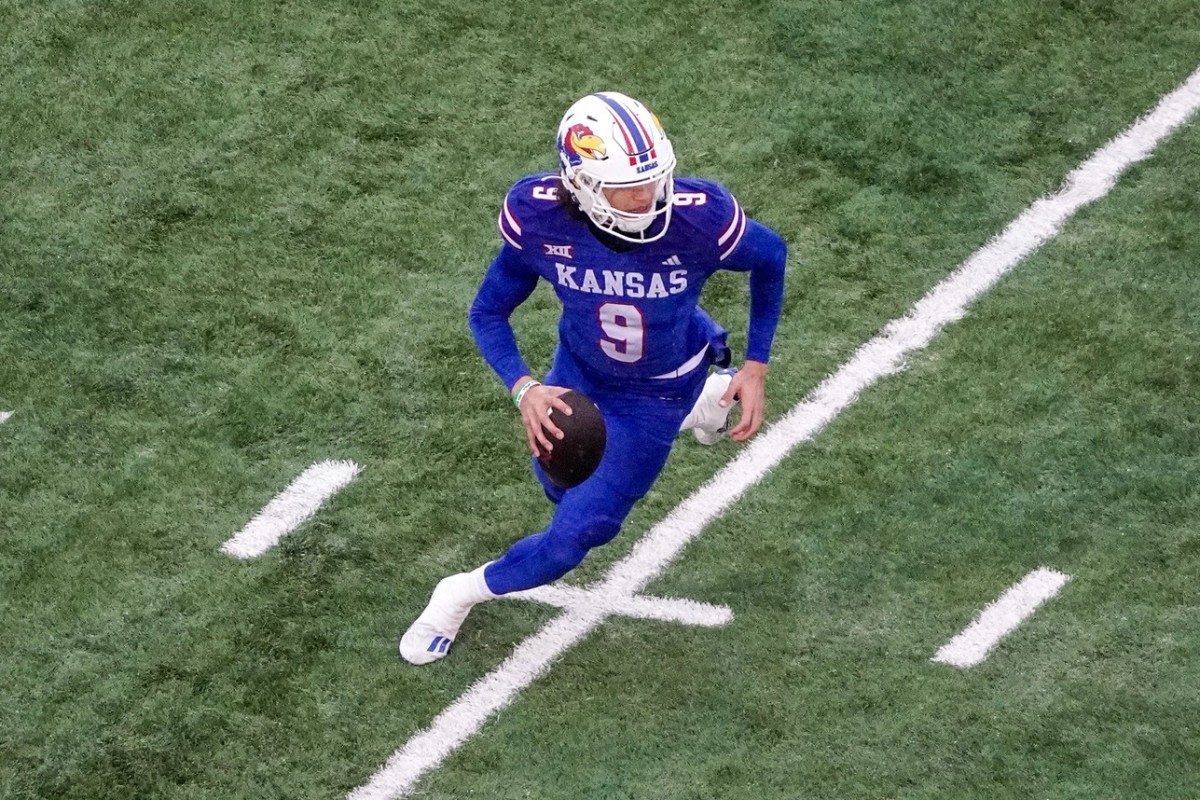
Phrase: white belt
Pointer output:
(687, 366)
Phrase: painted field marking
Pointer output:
(4, 415)
(1000, 618)
(663, 609)
(291, 507)
(878, 358)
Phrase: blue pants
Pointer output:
(640, 431)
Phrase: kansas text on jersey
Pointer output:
(629, 313)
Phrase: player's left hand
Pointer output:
(749, 387)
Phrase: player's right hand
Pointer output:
(748, 386)
(535, 408)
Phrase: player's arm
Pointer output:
(763, 253)
(506, 285)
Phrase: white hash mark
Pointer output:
(1000, 618)
(291, 507)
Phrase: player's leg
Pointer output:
(640, 435)
(587, 516)
(430, 635)
(428, 638)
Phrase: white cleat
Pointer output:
(707, 421)
(430, 636)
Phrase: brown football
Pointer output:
(575, 456)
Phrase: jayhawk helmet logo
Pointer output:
(580, 142)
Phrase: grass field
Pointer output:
(237, 239)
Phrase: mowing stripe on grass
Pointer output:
(291, 507)
(879, 357)
(1001, 618)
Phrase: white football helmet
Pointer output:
(607, 141)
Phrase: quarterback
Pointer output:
(627, 247)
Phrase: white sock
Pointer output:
(467, 588)
(428, 638)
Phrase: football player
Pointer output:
(627, 248)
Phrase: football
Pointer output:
(575, 456)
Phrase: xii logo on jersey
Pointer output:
(559, 250)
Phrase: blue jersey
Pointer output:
(632, 337)
(630, 315)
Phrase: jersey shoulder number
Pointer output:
(529, 198)
(713, 212)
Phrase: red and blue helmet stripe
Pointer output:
(639, 142)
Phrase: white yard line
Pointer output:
(663, 609)
(291, 507)
(879, 357)
(1001, 618)
(4, 415)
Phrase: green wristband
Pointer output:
(520, 393)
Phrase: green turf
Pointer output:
(240, 238)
